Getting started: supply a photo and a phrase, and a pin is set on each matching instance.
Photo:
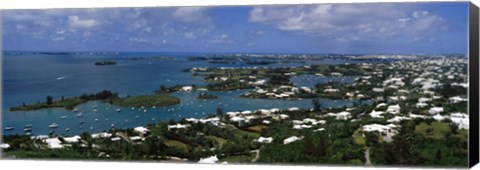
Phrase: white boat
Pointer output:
(28, 126)
(95, 110)
(27, 129)
(79, 115)
(9, 128)
(74, 110)
(53, 125)
(118, 110)
(67, 129)
(63, 117)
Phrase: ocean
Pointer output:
(30, 77)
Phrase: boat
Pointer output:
(9, 128)
(28, 134)
(63, 117)
(74, 110)
(112, 125)
(95, 110)
(67, 129)
(118, 110)
(27, 129)
(28, 126)
(79, 115)
(53, 125)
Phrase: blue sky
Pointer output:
(319, 28)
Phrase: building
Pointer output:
(291, 139)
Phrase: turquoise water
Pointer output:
(31, 77)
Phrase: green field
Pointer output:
(219, 140)
(239, 133)
(257, 128)
(436, 130)
(176, 143)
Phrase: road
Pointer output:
(257, 155)
(367, 157)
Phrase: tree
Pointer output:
(438, 155)
(49, 99)
(219, 112)
(454, 128)
(371, 138)
(317, 106)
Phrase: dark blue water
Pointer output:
(310, 80)
(31, 77)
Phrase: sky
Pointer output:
(357, 28)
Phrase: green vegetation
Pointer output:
(104, 63)
(436, 130)
(66, 103)
(158, 99)
(410, 148)
(206, 96)
(161, 99)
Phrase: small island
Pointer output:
(206, 96)
(157, 99)
(104, 63)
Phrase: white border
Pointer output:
(74, 165)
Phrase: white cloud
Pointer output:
(220, 39)
(350, 22)
(75, 22)
(192, 14)
(138, 40)
(189, 35)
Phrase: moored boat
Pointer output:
(53, 125)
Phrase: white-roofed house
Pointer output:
(209, 160)
(341, 116)
(421, 105)
(72, 139)
(101, 135)
(4, 146)
(435, 110)
(393, 109)
(381, 105)
(460, 119)
(397, 119)
(265, 140)
(187, 88)
(142, 130)
(54, 143)
(291, 139)
(386, 131)
(178, 126)
(376, 114)
(457, 99)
